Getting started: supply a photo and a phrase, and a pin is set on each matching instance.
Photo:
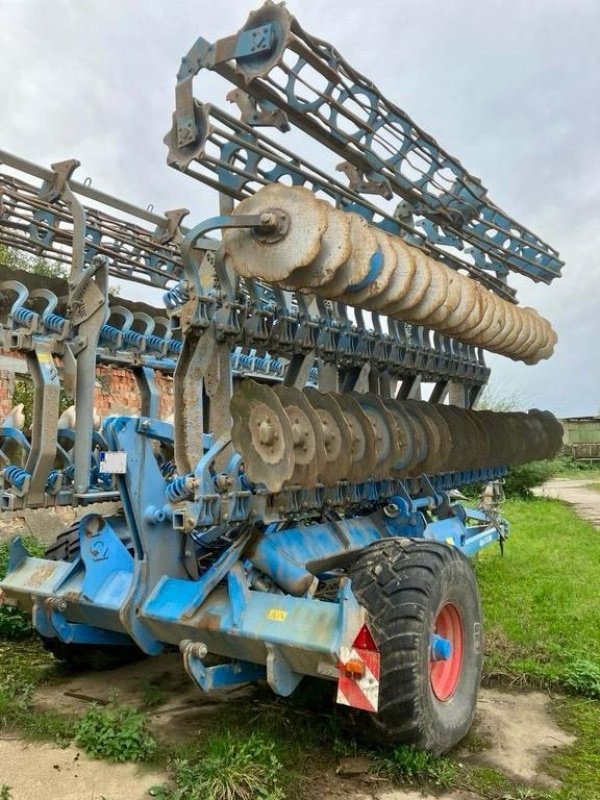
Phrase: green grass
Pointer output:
(541, 599)
(541, 607)
(13, 623)
(565, 467)
(540, 604)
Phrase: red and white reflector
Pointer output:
(358, 684)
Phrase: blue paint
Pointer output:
(375, 267)
(441, 649)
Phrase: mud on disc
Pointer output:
(337, 437)
(364, 456)
(261, 433)
(307, 434)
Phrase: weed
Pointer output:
(152, 695)
(234, 767)
(117, 733)
(407, 764)
(582, 676)
(5, 793)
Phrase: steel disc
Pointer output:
(364, 456)
(431, 425)
(406, 433)
(335, 251)
(376, 286)
(400, 280)
(275, 257)
(386, 443)
(417, 289)
(337, 438)
(307, 433)
(262, 434)
(363, 244)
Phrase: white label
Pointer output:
(114, 463)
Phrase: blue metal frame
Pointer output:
(113, 594)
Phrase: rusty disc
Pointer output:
(406, 436)
(334, 251)
(434, 460)
(262, 434)
(363, 244)
(386, 442)
(337, 438)
(364, 456)
(307, 434)
(272, 256)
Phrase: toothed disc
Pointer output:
(386, 442)
(253, 255)
(400, 280)
(337, 438)
(417, 289)
(307, 433)
(335, 251)
(385, 270)
(363, 245)
(262, 434)
(364, 456)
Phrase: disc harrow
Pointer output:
(327, 357)
(340, 257)
(288, 437)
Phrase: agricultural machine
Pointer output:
(325, 333)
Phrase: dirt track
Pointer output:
(586, 501)
(518, 730)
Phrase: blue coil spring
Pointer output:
(52, 479)
(55, 323)
(24, 316)
(176, 296)
(108, 333)
(168, 469)
(175, 346)
(154, 342)
(16, 475)
(178, 489)
(133, 338)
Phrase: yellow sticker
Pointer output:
(45, 358)
(277, 614)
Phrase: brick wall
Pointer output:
(116, 391)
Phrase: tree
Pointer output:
(17, 259)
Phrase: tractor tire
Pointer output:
(80, 657)
(411, 590)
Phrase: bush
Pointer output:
(523, 478)
(117, 733)
(582, 676)
(14, 624)
(235, 767)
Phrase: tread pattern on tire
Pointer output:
(396, 581)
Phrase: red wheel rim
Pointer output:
(445, 675)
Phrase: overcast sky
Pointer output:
(511, 87)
